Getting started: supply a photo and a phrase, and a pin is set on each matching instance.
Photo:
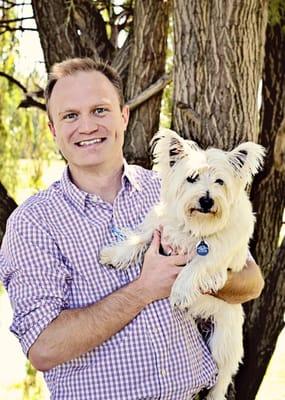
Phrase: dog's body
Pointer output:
(204, 205)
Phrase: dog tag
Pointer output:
(202, 248)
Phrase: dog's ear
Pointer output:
(247, 159)
(167, 147)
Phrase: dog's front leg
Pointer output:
(129, 251)
(197, 278)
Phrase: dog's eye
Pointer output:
(193, 178)
(220, 182)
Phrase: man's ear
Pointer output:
(52, 128)
(126, 115)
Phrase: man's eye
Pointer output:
(70, 116)
(100, 110)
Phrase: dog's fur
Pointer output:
(203, 197)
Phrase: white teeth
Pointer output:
(89, 142)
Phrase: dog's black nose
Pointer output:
(206, 202)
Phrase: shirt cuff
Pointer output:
(29, 336)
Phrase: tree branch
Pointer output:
(13, 80)
(20, 28)
(29, 100)
(8, 21)
(150, 91)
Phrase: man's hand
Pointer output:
(159, 272)
(240, 287)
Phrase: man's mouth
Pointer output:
(90, 142)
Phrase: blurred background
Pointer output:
(30, 162)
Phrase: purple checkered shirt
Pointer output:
(49, 262)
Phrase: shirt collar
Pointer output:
(79, 197)
(130, 175)
(76, 195)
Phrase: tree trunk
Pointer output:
(218, 63)
(218, 59)
(147, 65)
(7, 205)
(265, 315)
(71, 29)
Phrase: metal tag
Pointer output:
(202, 248)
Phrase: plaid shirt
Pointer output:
(49, 262)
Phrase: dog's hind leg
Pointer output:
(226, 347)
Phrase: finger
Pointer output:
(180, 259)
(155, 243)
(167, 249)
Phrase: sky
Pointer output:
(30, 51)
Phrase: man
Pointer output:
(98, 333)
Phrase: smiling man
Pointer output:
(98, 333)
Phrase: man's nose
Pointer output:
(87, 125)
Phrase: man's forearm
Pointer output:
(78, 331)
(242, 286)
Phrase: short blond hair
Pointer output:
(72, 66)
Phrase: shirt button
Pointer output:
(163, 372)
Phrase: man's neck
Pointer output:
(105, 184)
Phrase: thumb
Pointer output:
(155, 243)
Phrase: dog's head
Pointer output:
(200, 187)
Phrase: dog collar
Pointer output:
(202, 248)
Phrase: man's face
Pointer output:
(88, 123)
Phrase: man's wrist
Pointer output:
(140, 292)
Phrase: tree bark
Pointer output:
(147, 65)
(69, 29)
(218, 64)
(218, 59)
(265, 315)
(7, 205)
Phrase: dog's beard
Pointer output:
(206, 222)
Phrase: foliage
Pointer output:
(22, 134)
(31, 386)
(276, 11)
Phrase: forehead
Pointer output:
(83, 86)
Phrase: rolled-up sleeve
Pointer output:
(36, 277)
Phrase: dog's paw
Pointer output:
(183, 294)
(106, 256)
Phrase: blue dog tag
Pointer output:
(202, 248)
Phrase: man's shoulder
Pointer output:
(146, 178)
(36, 205)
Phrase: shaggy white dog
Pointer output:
(204, 205)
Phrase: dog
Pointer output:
(203, 205)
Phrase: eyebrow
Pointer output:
(74, 110)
